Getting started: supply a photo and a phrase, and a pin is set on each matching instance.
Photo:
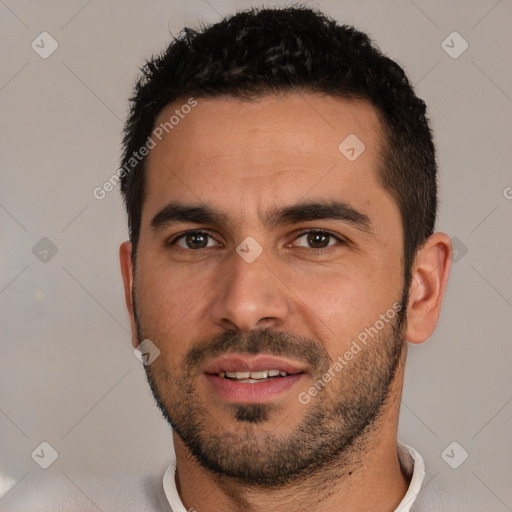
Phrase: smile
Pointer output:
(253, 377)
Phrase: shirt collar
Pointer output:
(411, 463)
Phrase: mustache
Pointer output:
(268, 341)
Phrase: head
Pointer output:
(284, 207)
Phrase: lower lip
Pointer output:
(258, 392)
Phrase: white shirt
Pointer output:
(410, 460)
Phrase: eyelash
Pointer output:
(338, 238)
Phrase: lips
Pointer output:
(252, 379)
(257, 363)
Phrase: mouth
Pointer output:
(255, 379)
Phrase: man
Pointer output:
(280, 181)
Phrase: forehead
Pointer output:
(226, 151)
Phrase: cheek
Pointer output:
(168, 292)
(344, 303)
(339, 301)
(166, 304)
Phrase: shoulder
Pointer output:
(58, 491)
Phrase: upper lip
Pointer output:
(251, 363)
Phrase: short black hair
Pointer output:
(265, 51)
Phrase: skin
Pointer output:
(245, 158)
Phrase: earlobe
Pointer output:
(430, 273)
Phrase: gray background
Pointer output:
(67, 372)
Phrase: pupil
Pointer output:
(196, 241)
(317, 240)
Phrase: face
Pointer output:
(263, 248)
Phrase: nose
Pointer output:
(250, 296)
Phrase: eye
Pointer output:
(192, 240)
(317, 239)
(313, 239)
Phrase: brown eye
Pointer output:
(194, 240)
(317, 239)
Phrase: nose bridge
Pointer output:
(250, 296)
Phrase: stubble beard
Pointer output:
(335, 422)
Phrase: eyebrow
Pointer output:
(301, 212)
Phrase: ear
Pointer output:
(430, 272)
(125, 258)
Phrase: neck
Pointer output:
(372, 481)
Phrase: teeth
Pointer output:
(259, 375)
(253, 376)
